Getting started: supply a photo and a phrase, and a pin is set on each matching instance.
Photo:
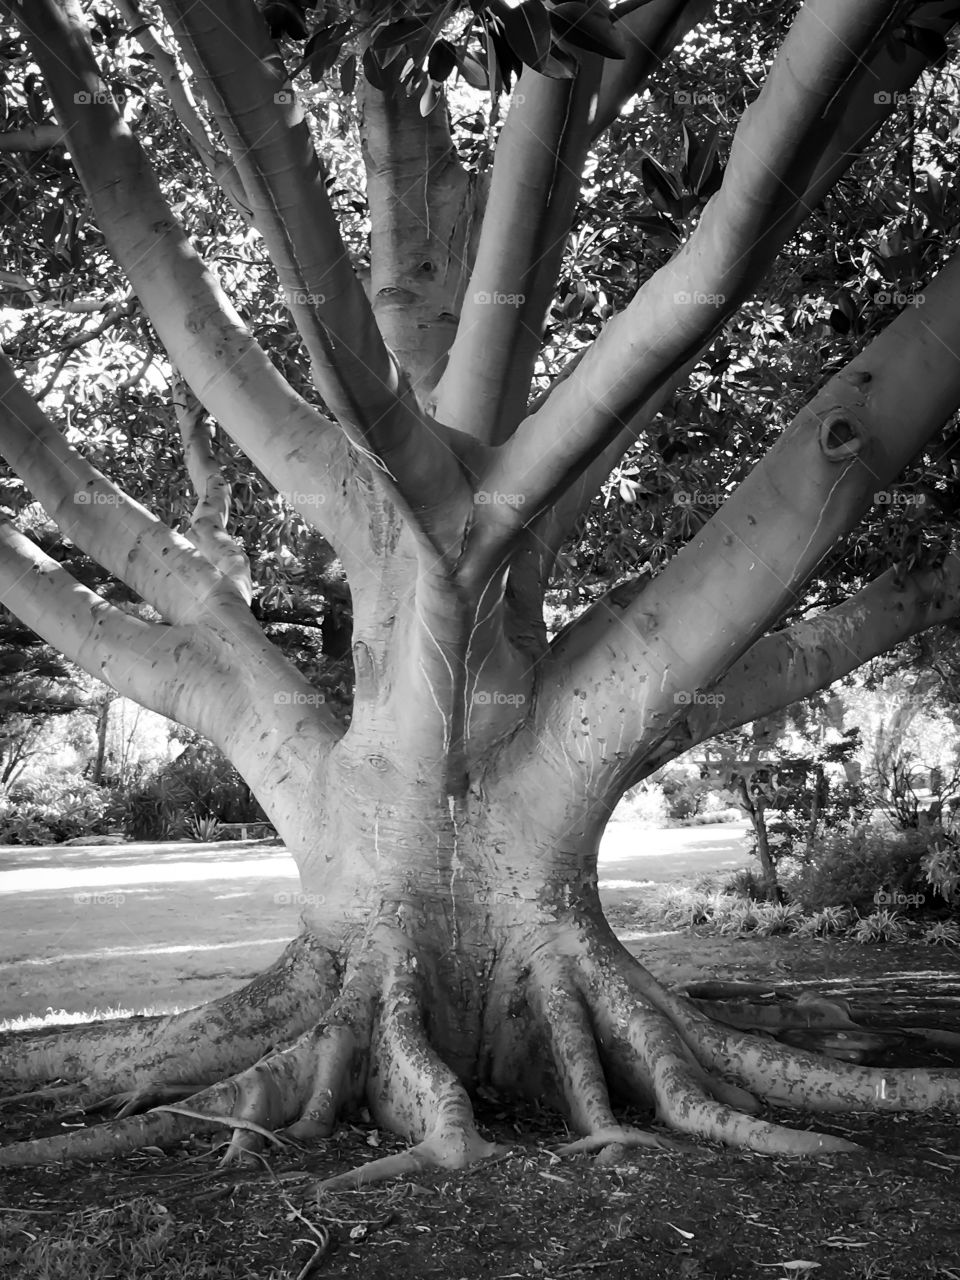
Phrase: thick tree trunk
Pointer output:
(446, 944)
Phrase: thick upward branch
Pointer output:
(870, 101)
(424, 221)
(534, 188)
(293, 444)
(636, 662)
(246, 86)
(215, 161)
(776, 148)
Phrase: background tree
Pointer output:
(446, 825)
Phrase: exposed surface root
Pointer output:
(685, 1105)
(232, 1122)
(341, 1060)
(579, 1020)
(134, 1102)
(794, 1078)
(102, 1142)
(579, 1071)
(256, 1102)
(160, 1127)
(624, 1137)
(204, 1044)
(52, 1091)
(687, 1098)
(413, 1092)
(820, 1024)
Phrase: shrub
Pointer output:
(734, 916)
(745, 884)
(773, 918)
(883, 925)
(823, 923)
(941, 868)
(200, 786)
(685, 794)
(945, 933)
(203, 829)
(850, 867)
(645, 805)
(152, 808)
(48, 811)
(683, 908)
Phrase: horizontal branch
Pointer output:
(794, 663)
(777, 146)
(241, 694)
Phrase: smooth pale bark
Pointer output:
(154, 664)
(868, 103)
(778, 143)
(246, 84)
(534, 187)
(617, 679)
(286, 438)
(100, 518)
(217, 163)
(791, 664)
(425, 216)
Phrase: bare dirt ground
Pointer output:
(890, 1212)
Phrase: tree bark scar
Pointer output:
(839, 436)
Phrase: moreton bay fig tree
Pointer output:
(446, 829)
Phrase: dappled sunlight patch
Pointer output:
(625, 884)
(180, 949)
(34, 878)
(63, 1018)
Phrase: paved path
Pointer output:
(168, 926)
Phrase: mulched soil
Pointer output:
(892, 1212)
